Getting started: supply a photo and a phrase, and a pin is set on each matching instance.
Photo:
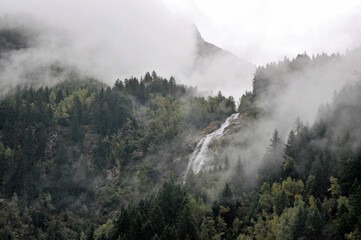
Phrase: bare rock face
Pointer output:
(82, 164)
(54, 136)
(89, 141)
(213, 126)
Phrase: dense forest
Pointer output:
(57, 145)
(82, 160)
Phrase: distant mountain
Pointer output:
(211, 69)
(81, 160)
(219, 68)
(206, 49)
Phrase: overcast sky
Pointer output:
(107, 39)
(259, 31)
(113, 39)
(266, 30)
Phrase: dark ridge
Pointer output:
(12, 39)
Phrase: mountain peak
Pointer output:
(205, 48)
(213, 63)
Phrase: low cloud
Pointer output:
(111, 40)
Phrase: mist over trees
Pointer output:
(57, 142)
(83, 160)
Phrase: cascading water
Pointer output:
(199, 158)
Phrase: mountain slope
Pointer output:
(216, 67)
(31, 48)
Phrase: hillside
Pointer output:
(32, 52)
(83, 160)
(89, 149)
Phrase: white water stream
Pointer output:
(200, 157)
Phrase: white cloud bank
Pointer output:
(115, 39)
(262, 31)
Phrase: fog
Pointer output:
(291, 95)
(119, 39)
(262, 31)
(114, 39)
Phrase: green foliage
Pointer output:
(168, 213)
(76, 161)
(270, 169)
(247, 106)
(308, 188)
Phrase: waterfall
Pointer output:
(200, 156)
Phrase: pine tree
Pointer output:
(122, 223)
(275, 140)
(156, 220)
(172, 199)
(136, 228)
(238, 179)
(186, 226)
(314, 224)
(170, 232)
(270, 168)
(90, 234)
(290, 148)
(207, 229)
(226, 197)
(298, 228)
